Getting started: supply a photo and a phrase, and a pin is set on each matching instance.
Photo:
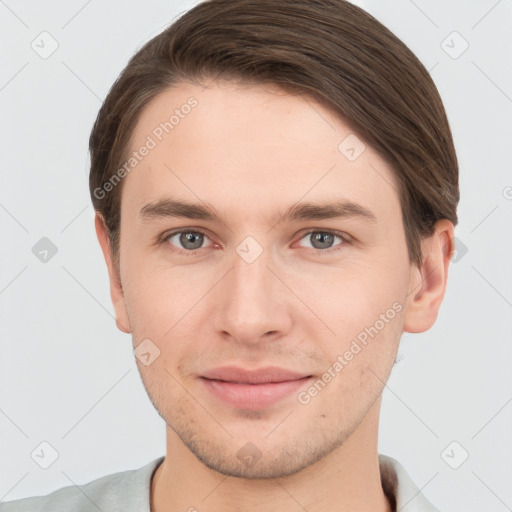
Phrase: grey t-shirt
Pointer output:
(129, 491)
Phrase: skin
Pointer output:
(251, 152)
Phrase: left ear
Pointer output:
(428, 281)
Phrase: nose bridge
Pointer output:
(250, 277)
(249, 301)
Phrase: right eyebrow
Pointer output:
(174, 208)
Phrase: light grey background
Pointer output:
(68, 376)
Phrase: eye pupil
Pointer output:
(325, 240)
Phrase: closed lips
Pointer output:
(265, 375)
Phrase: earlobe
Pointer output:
(116, 289)
(428, 282)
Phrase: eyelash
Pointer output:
(345, 239)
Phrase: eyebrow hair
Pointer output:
(166, 208)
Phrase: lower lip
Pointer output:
(253, 396)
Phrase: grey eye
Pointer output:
(189, 240)
(321, 239)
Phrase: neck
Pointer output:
(347, 479)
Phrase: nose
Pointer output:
(252, 303)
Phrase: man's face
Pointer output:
(261, 289)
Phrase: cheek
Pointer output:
(352, 298)
(159, 296)
(357, 365)
(364, 306)
(162, 305)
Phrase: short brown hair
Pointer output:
(329, 50)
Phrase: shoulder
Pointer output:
(400, 488)
(123, 491)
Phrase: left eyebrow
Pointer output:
(322, 211)
(168, 208)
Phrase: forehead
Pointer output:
(250, 148)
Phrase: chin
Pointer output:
(260, 459)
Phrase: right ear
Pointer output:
(116, 288)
